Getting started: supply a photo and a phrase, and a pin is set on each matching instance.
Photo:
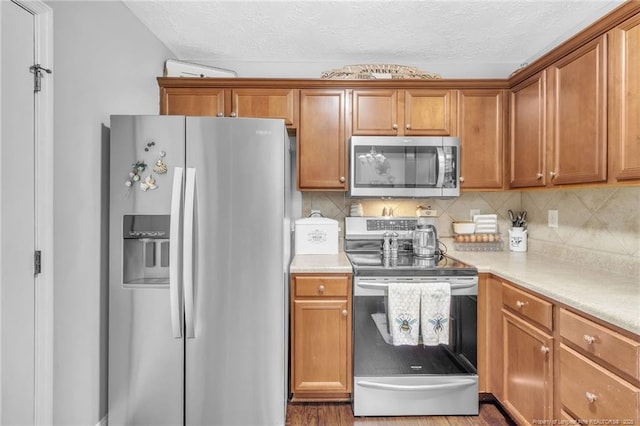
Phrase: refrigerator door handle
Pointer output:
(189, 211)
(175, 292)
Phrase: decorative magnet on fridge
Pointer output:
(134, 175)
(160, 167)
(149, 183)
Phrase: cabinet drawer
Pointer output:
(605, 344)
(528, 306)
(589, 391)
(321, 286)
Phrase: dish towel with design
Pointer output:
(404, 313)
(435, 306)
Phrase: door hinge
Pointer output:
(37, 70)
(37, 262)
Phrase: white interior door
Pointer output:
(17, 217)
(26, 305)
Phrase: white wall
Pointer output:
(105, 62)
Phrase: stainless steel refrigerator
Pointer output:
(199, 254)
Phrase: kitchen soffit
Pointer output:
(457, 39)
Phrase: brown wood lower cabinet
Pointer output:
(599, 375)
(546, 362)
(528, 370)
(590, 392)
(321, 356)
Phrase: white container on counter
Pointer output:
(517, 239)
(316, 235)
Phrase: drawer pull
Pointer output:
(520, 304)
(321, 288)
(591, 397)
(544, 349)
(345, 313)
(589, 339)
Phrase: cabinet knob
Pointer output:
(544, 349)
(321, 288)
(461, 179)
(233, 114)
(395, 126)
(590, 340)
(219, 114)
(591, 397)
(539, 176)
(520, 304)
(408, 126)
(342, 179)
(553, 174)
(345, 312)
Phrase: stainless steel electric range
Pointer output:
(402, 380)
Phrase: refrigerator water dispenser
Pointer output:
(145, 254)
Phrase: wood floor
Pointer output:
(340, 414)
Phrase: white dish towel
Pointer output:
(404, 313)
(435, 307)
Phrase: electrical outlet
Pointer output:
(473, 212)
(552, 219)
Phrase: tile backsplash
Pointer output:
(597, 226)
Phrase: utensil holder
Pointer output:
(517, 239)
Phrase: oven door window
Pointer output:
(375, 355)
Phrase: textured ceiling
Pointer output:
(456, 38)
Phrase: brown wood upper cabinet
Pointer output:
(266, 103)
(192, 101)
(578, 118)
(409, 112)
(558, 126)
(481, 128)
(624, 101)
(243, 102)
(528, 133)
(322, 142)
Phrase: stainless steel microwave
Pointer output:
(404, 167)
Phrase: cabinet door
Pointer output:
(266, 103)
(375, 112)
(192, 101)
(528, 370)
(321, 346)
(624, 101)
(481, 130)
(321, 140)
(490, 354)
(580, 116)
(429, 112)
(528, 133)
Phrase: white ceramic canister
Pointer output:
(517, 239)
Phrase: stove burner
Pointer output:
(373, 264)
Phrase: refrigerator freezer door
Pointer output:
(235, 364)
(145, 360)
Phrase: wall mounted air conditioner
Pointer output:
(173, 68)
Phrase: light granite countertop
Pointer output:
(320, 263)
(610, 297)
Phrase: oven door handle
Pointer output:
(384, 286)
(386, 386)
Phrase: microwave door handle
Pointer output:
(441, 162)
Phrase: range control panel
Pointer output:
(391, 224)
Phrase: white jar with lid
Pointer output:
(316, 235)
